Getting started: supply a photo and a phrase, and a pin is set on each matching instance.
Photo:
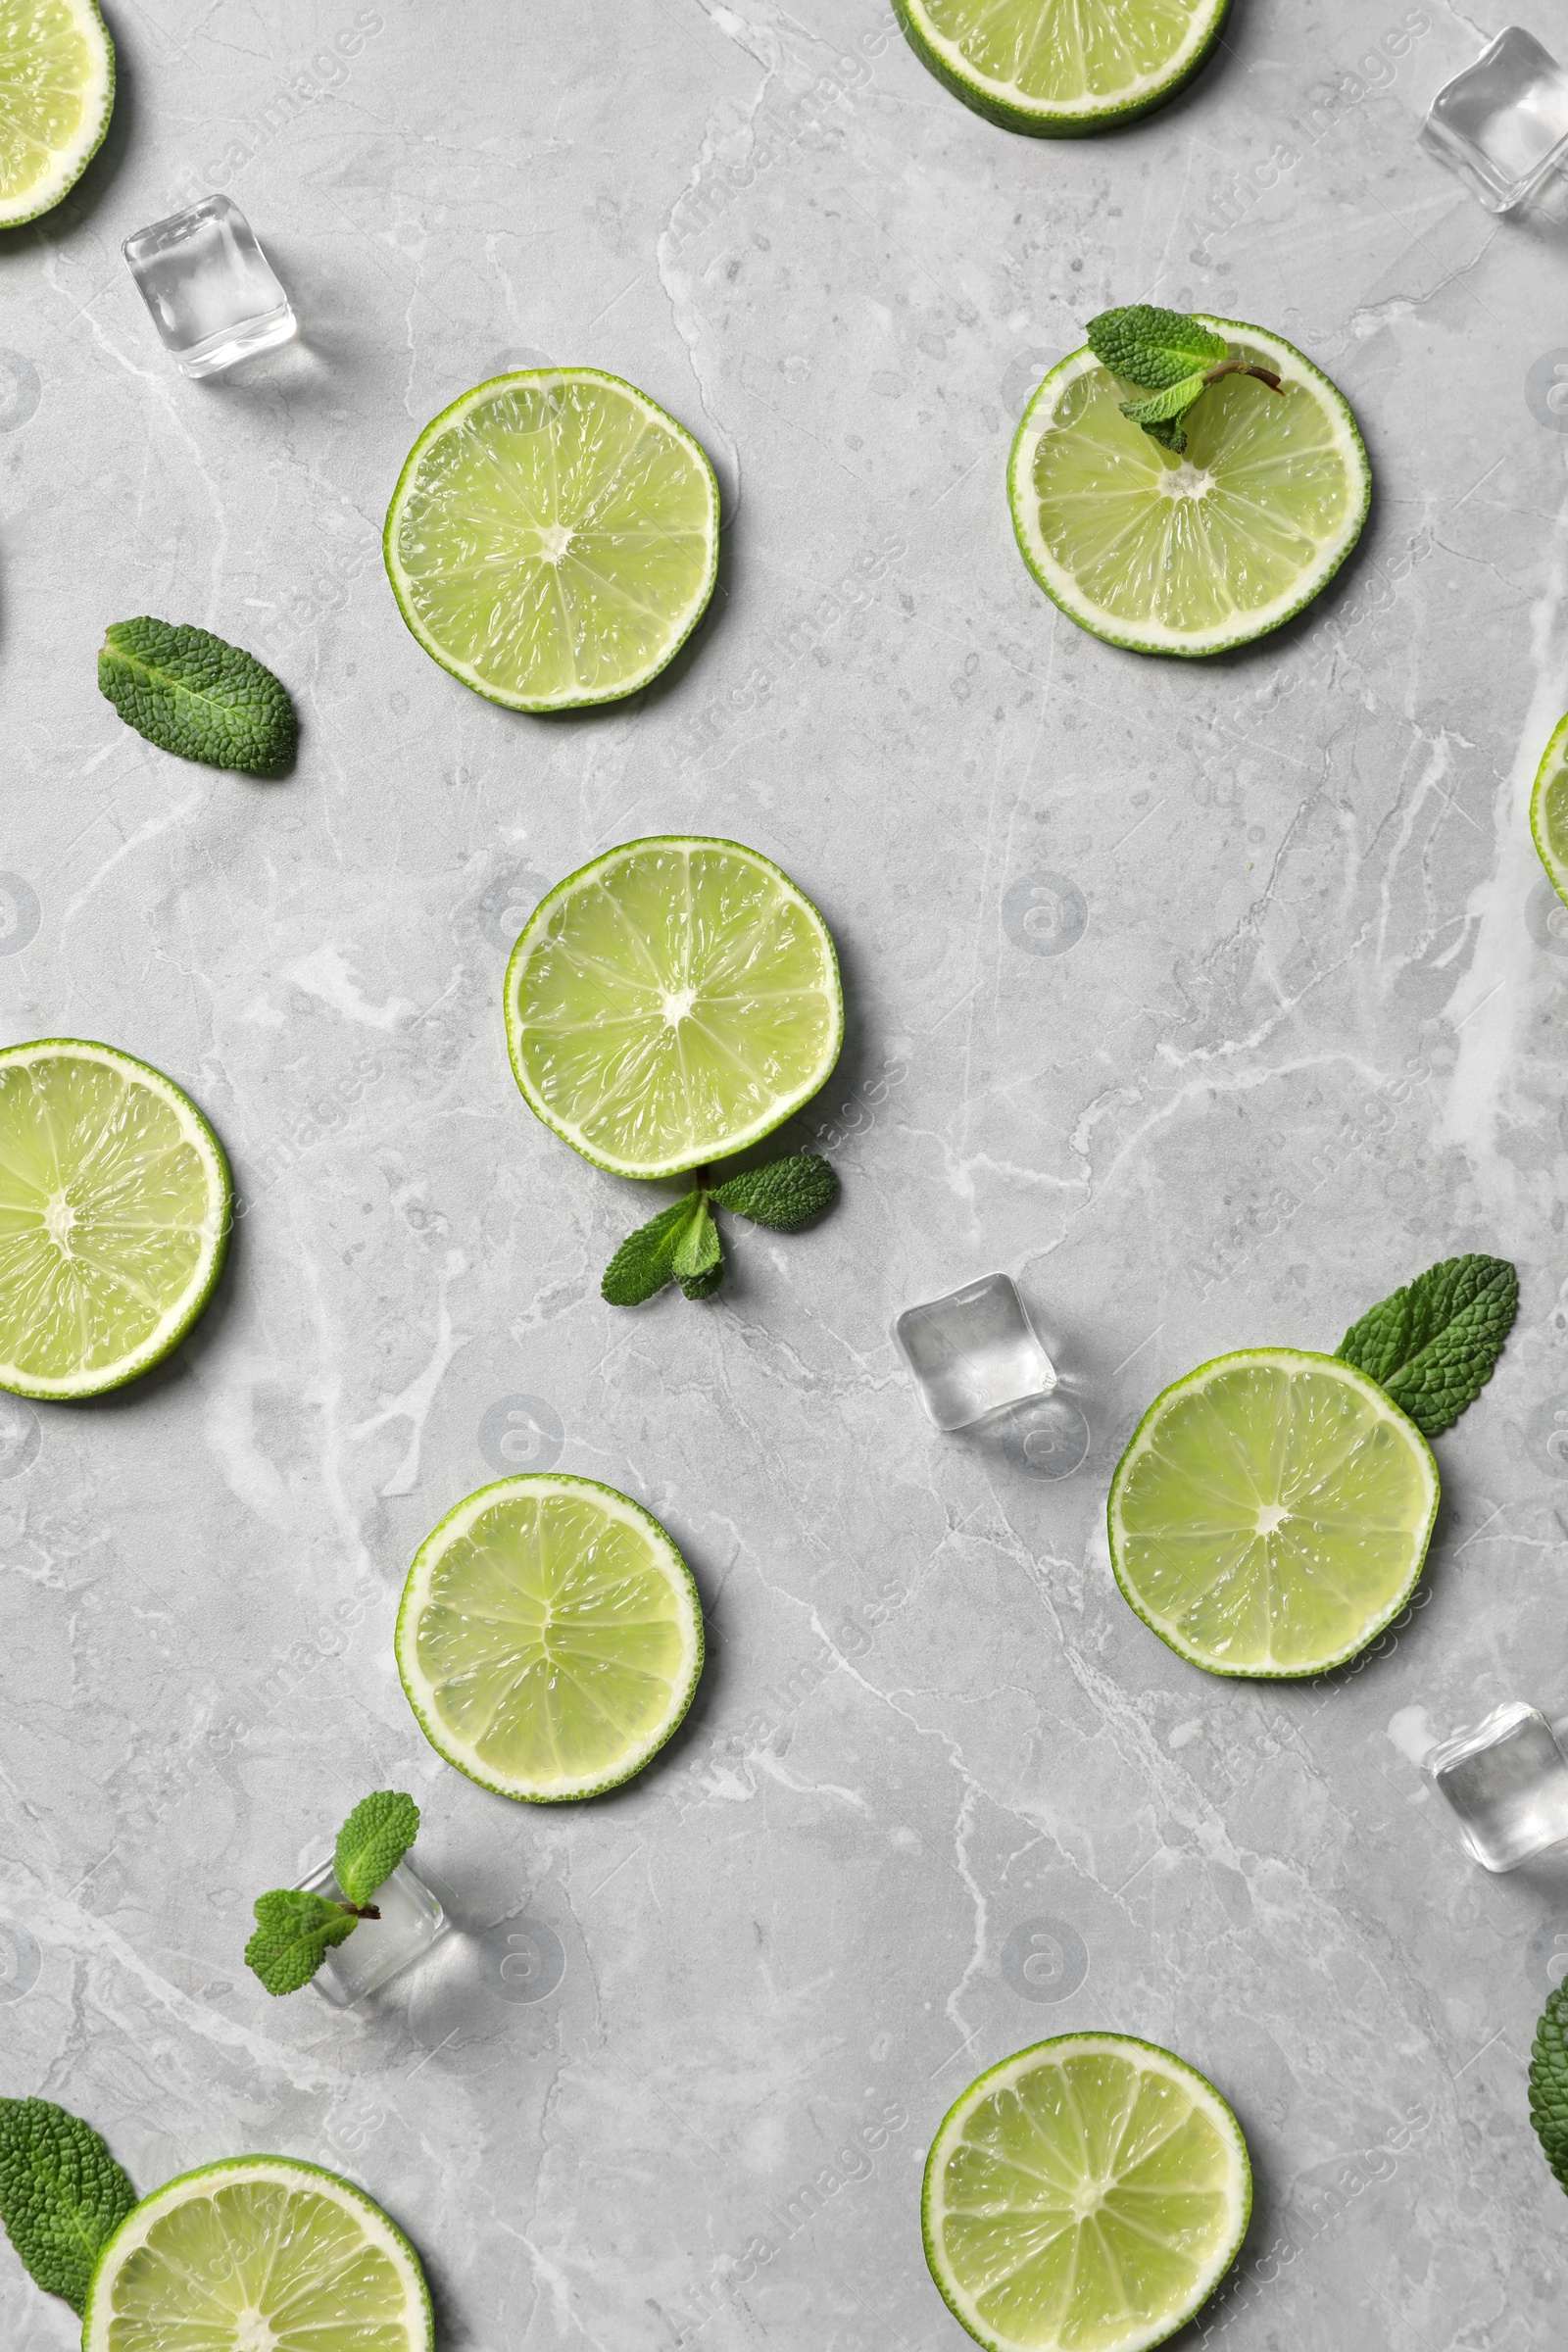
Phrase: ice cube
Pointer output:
(378, 1949)
(1508, 1780)
(1502, 124)
(210, 287)
(973, 1352)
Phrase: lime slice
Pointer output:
(673, 1003)
(1549, 809)
(1087, 2195)
(553, 539)
(1060, 67)
(261, 2254)
(115, 1202)
(57, 93)
(550, 1638)
(1272, 1513)
(1200, 553)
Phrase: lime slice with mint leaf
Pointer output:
(1549, 809)
(258, 2252)
(1058, 71)
(1211, 518)
(553, 539)
(1088, 2193)
(673, 1004)
(550, 1638)
(1271, 1515)
(57, 93)
(115, 1211)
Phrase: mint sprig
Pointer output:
(62, 2194)
(197, 696)
(296, 1929)
(1174, 356)
(1434, 1343)
(682, 1242)
(1549, 2084)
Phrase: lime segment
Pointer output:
(57, 92)
(550, 1638)
(1086, 2195)
(1549, 809)
(1272, 1513)
(553, 539)
(671, 1003)
(261, 2254)
(1199, 552)
(1057, 67)
(115, 1201)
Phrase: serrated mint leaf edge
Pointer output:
(1433, 1383)
(21, 2147)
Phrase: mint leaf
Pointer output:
(294, 1931)
(703, 1286)
(1549, 2084)
(645, 1258)
(785, 1195)
(1155, 347)
(62, 2194)
(372, 1842)
(698, 1252)
(193, 695)
(1434, 1345)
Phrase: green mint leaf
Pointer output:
(1153, 347)
(62, 2194)
(703, 1286)
(1170, 432)
(193, 695)
(698, 1252)
(1434, 1345)
(1549, 2084)
(372, 1842)
(645, 1258)
(1160, 406)
(785, 1195)
(294, 1931)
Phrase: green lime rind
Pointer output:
(1413, 1533)
(1066, 119)
(711, 1144)
(421, 1690)
(186, 1307)
(65, 164)
(1151, 2060)
(1220, 423)
(682, 623)
(416, 2329)
(1549, 809)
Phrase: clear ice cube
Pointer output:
(211, 289)
(973, 1352)
(1508, 1780)
(1502, 124)
(378, 1949)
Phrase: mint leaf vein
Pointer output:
(1434, 1343)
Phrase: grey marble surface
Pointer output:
(1210, 1000)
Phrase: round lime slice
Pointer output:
(1060, 67)
(673, 1003)
(114, 1211)
(553, 539)
(261, 2254)
(57, 93)
(550, 1638)
(1194, 554)
(1549, 809)
(1272, 1513)
(1087, 2195)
